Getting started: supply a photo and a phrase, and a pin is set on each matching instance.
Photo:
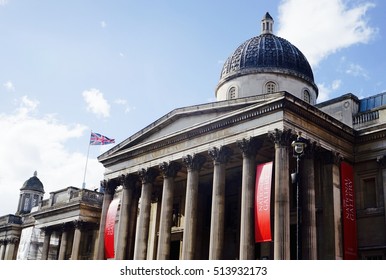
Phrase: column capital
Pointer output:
(169, 169)
(331, 157)
(147, 175)
(281, 138)
(312, 149)
(128, 181)
(381, 160)
(249, 147)
(194, 162)
(109, 186)
(78, 224)
(12, 240)
(220, 155)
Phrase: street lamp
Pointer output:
(298, 145)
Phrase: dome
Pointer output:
(33, 184)
(267, 54)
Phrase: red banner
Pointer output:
(109, 229)
(263, 202)
(350, 243)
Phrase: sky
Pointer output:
(113, 67)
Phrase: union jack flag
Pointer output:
(98, 139)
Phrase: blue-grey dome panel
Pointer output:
(267, 53)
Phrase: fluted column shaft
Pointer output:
(332, 222)
(282, 202)
(2, 249)
(193, 165)
(309, 243)
(220, 156)
(63, 244)
(10, 249)
(76, 241)
(109, 190)
(247, 244)
(128, 182)
(142, 231)
(169, 171)
(46, 244)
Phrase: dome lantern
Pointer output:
(267, 24)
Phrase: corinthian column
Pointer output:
(220, 157)
(282, 139)
(249, 149)
(147, 177)
(128, 183)
(309, 244)
(46, 244)
(108, 194)
(169, 172)
(193, 165)
(76, 242)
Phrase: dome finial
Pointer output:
(267, 24)
(35, 173)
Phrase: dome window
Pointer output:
(270, 87)
(306, 96)
(232, 93)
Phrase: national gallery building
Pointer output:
(264, 172)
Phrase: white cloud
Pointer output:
(124, 103)
(320, 28)
(103, 24)
(41, 143)
(9, 86)
(326, 90)
(96, 103)
(356, 70)
(3, 2)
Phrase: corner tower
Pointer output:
(31, 193)
(266, 64)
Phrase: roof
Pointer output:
(267, 53)
(33, 184)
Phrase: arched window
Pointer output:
(306, 96)
(270, 87)
(232, 93)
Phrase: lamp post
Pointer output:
(298, 146)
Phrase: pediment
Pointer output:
(184, 119)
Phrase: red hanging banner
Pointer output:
(109, 229)
(350, 243)
(263, 202)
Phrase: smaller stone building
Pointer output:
(64, 226)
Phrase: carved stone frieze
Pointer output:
(220, 155)
(194, 162)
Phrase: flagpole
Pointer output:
(85, 168)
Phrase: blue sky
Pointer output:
(69, 67)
